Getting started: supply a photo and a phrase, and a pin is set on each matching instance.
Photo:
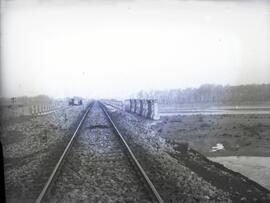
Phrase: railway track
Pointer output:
(98, 166)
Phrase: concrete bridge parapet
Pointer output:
(147, 108)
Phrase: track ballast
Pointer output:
(99, 168)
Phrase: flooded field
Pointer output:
(255, 168)
(237, 138)
(172, 110)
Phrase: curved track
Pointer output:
(98, 166)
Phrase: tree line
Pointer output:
(24, 100)
(209, 93)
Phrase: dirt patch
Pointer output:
(100, 126)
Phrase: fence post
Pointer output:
(138, 106)
(141, 107)
(132, 105)
(145, 108)
(155, 113)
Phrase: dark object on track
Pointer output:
(75, 102)
(151, 187)
(148, 182)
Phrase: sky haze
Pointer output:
(116, 49)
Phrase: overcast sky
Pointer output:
(116, 49)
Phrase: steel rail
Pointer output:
(138, 165)
(116, 107)
(60, 161)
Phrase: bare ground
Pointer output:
(241, 135)
(181, 173)
(31, 147)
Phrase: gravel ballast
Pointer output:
(31, 148)
(97, 168)
(180, 173)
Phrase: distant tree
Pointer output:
(209, 93)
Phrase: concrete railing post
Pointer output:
(138, 106)
(155, 114)
(148, 115)
(135, 105)
(146, 108)
(132, 106)
(141, 107)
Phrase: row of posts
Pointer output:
(147, 108)
(41, 109)
(32, 110)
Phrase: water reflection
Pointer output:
(170, 111)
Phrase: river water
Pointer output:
(255, 168)
(208, 110)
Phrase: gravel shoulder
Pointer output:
(180, 173)
(31, 147)
(174, 181)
